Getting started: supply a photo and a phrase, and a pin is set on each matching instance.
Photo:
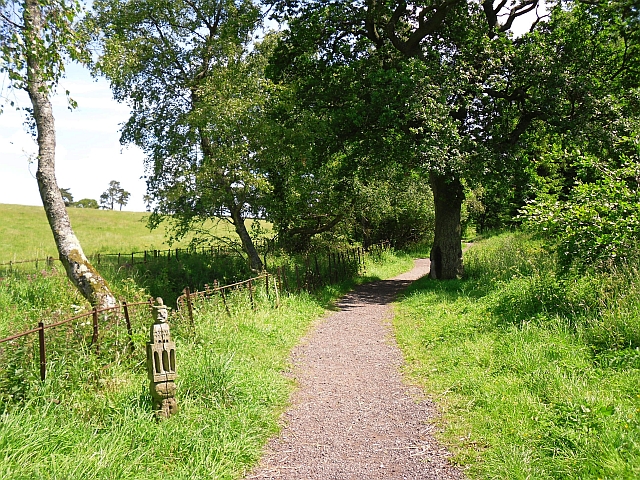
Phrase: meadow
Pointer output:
(535, 372)
(25, 233)
(92, 417)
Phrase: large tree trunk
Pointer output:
(245, 238)
(91, 285)
(446, 252)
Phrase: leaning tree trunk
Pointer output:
(91, 285)
(245, 238)
(446, 252)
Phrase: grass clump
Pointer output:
(536, 372)
(91, 419)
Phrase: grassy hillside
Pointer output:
(25, 233)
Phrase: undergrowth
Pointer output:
(536, 372)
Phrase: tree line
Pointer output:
(353, 120)
(114, 195)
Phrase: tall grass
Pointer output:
(536, 373)
(94, 421)
(92, 417)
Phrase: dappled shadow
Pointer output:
(378, 293)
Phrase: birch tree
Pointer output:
(36, 38)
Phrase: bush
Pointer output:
(599, 223)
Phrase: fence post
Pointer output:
(94, 338)
(224, 298)
(187, 292)
(276, 286)
(253, 304)
(266, 283)
(43, 359)
(118, 259)
(128, 320)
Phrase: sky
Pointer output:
(88, 151)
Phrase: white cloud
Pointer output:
(88, 152)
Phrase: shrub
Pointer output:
(599, 223)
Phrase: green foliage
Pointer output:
(113, 195)
(399, 210)
(86, 203)
(67, 197)
(535, 371)
(57, 41)
(197, 96)
(598, 224)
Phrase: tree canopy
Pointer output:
(185, 70)
(448, 89)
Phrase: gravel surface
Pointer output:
(352, 416)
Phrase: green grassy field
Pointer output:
(25, 233)
(536, 373)
(92, 418)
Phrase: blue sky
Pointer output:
(88, 153)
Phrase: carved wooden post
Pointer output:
(161, 363)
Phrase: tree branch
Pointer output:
(426, 26)
(11, 22)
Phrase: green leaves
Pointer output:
(599, 223)
(49, 44)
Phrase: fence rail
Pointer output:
(312, 275)
(40, 329)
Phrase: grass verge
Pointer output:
(92, 418)
(536, 375)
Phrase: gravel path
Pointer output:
(352, 417)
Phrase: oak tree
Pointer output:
(452, 57)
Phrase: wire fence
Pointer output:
(315, 271)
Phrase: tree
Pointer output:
(123, 198)
(447, 54)
(147, 199)
(194, 89)
(67, 197)
(113, 195)
(86, 203)
(35, 39)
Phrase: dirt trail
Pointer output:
(352, 417)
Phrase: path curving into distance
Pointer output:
(352, 417)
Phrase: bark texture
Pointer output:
(247, 244)
(446, 252)
(90, 284)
